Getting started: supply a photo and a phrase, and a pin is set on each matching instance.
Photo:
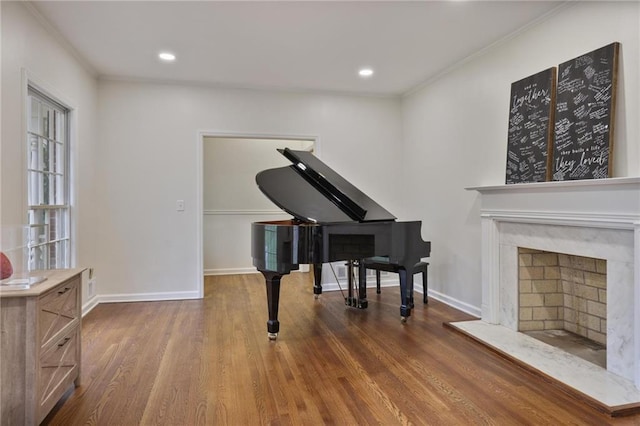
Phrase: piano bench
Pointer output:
(382, 264)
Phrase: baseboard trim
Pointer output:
(455, 303)
(146, 297)
(230, 271)
(88, 307)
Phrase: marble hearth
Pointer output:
(595, 218)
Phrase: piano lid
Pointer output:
(312, 192)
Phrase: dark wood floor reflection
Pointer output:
(209, 362)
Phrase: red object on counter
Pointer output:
(6, 270)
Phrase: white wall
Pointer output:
(455, 131)
(232, 200)
(149, 136)
(26, 45)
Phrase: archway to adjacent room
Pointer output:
(230, 199)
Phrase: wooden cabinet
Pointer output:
(40, 345)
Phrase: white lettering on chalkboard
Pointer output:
(579, 98)
(583, 61)
(563, 126)
(561, 107)
(600, 128)
(563, 165)
(532, 94)
(603, 94)
(589, 72)
(585, 138)
(598, 114)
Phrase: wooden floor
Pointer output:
(209, 362)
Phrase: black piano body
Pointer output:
(333, 221)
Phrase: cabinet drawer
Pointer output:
(59, 367)
(58, 308)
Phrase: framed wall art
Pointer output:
(532, 105)
(585, 114)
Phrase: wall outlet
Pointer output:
(91, 288)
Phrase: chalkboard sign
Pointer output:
(585, 107)
(530, 128)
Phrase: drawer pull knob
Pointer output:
(66, 339)
(66, 289)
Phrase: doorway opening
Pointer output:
(230, 199)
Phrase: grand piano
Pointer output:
(332, 221)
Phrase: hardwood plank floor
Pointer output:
(209, 362)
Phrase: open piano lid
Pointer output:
(312, 192)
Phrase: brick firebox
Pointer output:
(562, 292)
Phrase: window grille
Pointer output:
(48, 183)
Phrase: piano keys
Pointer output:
(332, 221)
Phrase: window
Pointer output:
(47, 182)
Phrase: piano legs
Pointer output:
(406, 283)
(272, 280)
(317, 279)
(406, 293)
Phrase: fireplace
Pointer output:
(562, 301)
(596, 219)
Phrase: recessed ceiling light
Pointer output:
(167, 57)
(365, 72)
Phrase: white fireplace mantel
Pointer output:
(595, 218)
(604, 202)
(555, 185)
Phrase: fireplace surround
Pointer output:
(592, 218)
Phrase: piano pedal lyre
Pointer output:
(357, 297)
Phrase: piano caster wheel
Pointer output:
(316, 296)
(403, 320)
(272, 336)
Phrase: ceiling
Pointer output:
(304, 45)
